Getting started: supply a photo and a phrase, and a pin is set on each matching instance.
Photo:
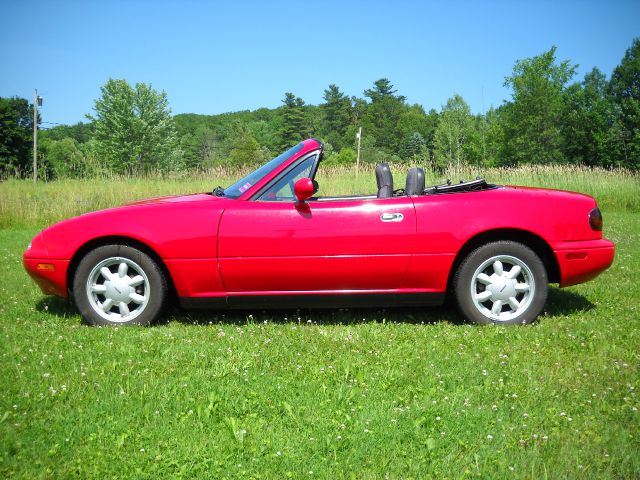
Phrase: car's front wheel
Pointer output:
(501, 282)
(119, 285)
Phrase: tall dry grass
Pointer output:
(24, 204)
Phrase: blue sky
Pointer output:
(213, 57)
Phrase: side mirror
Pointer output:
(303, 189)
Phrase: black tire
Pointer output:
(144, 299)
(510, 301)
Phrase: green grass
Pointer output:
(397, 393)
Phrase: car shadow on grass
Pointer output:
(564, 302)
(559, 302)
(63, 308)
(322, 316)
(60, 307)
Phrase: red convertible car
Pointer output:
(268, 240)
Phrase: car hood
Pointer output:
(168, 204)
(171, 226)
(172, 199)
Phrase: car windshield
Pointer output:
(244, 184)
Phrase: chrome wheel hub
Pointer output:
(502, 287)
(118, 289)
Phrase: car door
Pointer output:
(329, 245)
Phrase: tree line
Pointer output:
(551, 117)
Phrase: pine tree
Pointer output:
(533, 121)
(383, 116)
(416, 146)
(294, 127)
(337, 114)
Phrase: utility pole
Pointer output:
(359, 137)
(484, 122)
(37, 101)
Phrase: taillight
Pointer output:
(595, 219)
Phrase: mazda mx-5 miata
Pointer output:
(268, 240)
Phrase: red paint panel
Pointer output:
(582, 261)
(195, 277)
(173, 229)
(429, 272)
(315, 245)
(337, 273)
(446, 222)
(51, 282)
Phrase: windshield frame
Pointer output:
(317, 153)
(249, 181)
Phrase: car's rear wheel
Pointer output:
(119, 285)
(501, 282)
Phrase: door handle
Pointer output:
(391, 217)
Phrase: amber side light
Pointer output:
(595, 219)
(47, 267)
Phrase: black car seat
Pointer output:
(415, 181)
(384, 180)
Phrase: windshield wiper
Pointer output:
(218, 192)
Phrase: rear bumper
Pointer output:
(50, 275)
(581, 261)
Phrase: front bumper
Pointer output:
(581, 261)
(50, 275)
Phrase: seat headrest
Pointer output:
(415, 181)
(384, 179)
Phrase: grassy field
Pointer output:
(397, 393)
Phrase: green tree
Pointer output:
(624, 88)
(245, 149)
(383, 115)
(587, 122)
(454, 136)
(382, 88)
(16, 141)
(533, 120)
(80, 132)
(336, 118)
(294, 122)
(358, 111)
(133, 127)
(414, 120)
(211, 146)
(417, 146)
(346, 156)
(494, 142)
(63, 158)
(265, 132)
(93, 163)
